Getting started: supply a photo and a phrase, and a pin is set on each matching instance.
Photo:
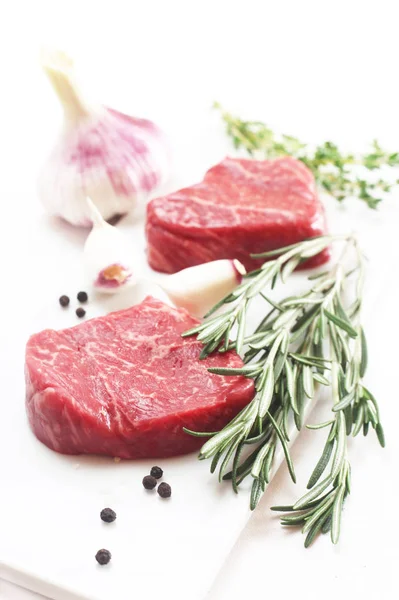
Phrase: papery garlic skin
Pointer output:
(199, 288)
(107, 256)
(115, 159)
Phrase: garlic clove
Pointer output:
(199, 288)
(116, 159)
(107, 255)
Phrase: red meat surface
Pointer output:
(126, 384)
(242, 206)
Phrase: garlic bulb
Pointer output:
(107, 256)
(199, 288)
(115, 159)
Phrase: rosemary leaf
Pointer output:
(289, 375)
(241, 328)
(304, 321)
(320, 425)
(380, 434)
(317, 527)
(341, 323)
(321, 465)
(320, 512)
(320, 379)
(348, 419)
(265, 395)
(199, 433)
(272, 303)
(256, 493)
(211, 445)
(236, 462)
(285, 449)
(364, 355)
(346, 400)
(326, 527)
(215, 461)
(268, 463)
(336, 515)
(257, 465)
(233, 447)
(340, 448)
(308, 385)
(312, 495)
(289, 267)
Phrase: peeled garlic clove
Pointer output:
(107, 256)
(199, 288)
(113, 158)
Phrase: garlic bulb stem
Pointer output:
(199, 288)
(59, 69)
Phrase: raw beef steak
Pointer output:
(242, 206)
(126, 384)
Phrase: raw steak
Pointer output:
(242, 206)
(125, 385)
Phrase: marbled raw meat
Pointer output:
(126, 384)
(242, 206)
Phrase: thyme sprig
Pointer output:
(303, 341)
(332, 168)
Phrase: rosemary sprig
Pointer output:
(302, 341)
(355, 408)
(333, 169)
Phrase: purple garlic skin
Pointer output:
(115, 159)
(117, 143)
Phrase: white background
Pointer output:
(314, 69)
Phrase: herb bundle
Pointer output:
(333, 169)
(303, 341)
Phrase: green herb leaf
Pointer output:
(341, 323)
(336, 515)
(364, 354)
(333, 169)
(321, 465)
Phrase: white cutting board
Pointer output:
(50, 527)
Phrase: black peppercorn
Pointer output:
(103, 556)
(80, 312)
(164, 490)
(108, 515)
(82, 297)
(64, 301)
(149, 482)
(156, 472)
